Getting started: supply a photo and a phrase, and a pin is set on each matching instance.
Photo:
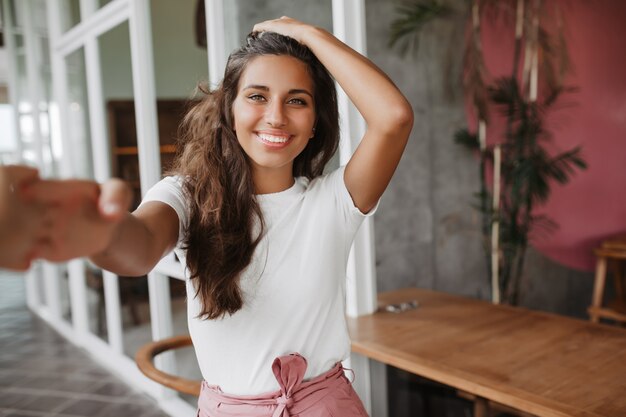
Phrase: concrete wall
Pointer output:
(254, 11)
(427, 234)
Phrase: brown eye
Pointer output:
(297, 101)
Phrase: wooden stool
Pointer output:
(611, 251)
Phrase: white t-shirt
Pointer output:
(294, 288)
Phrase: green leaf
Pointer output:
(412, 18)
(467, 139)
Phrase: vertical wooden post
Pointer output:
(598, 288)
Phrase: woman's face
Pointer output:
(274, 112)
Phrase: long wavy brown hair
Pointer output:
(225, 219)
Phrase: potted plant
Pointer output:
(516, 169)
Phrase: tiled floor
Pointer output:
(43, 375)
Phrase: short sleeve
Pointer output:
(339, 185)
(335, 183)
(170, 191)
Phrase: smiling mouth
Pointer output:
(273, 140)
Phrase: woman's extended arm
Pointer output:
(386, 111)
(87, 219)
(140, 240)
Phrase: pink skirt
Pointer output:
(330, 394)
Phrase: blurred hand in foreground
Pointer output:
(56, 220)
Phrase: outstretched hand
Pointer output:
(57, 220)
(20, 223)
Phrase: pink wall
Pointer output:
(592, 205)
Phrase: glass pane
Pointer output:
(70, 14)
(9, 149)
(36, 277)
(8, 143)
(135, 304)
(15, 13)
(78, 131)
(40, 18)
(12, 295)
(186, 362)
(102, 3)
(51, 159)
(96, 307)
(134, 296)
(117, 90)
(65, 302)
(115, 63)
(175, 41)
(26, 130)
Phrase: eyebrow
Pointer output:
(265, 88)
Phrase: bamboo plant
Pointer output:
(523, 170)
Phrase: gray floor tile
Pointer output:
(12, 400)
(113, 389)
(10, 379)
(68, 384)
(43, 403)
(42, 375)
(127, 409)
(83, 407)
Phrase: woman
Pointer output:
(263, 234)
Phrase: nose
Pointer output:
(275, 114)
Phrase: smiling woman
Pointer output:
(264, 235)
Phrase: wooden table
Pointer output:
(540, 363)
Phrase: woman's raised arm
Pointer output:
(386, 111)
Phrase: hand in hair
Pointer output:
(285, 26)
(57, 220)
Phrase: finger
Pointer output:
(115, 199)
(265, 26)
(43, 249)
(15, 177)
(20, 174)
(21, 265)
(17, 261)
(60, 191)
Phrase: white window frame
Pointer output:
(361, 291)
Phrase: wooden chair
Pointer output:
(145, 356)
(612, 252)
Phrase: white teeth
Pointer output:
(273, 139)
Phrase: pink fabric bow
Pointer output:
(289, 372)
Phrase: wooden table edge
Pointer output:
(452, 377)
